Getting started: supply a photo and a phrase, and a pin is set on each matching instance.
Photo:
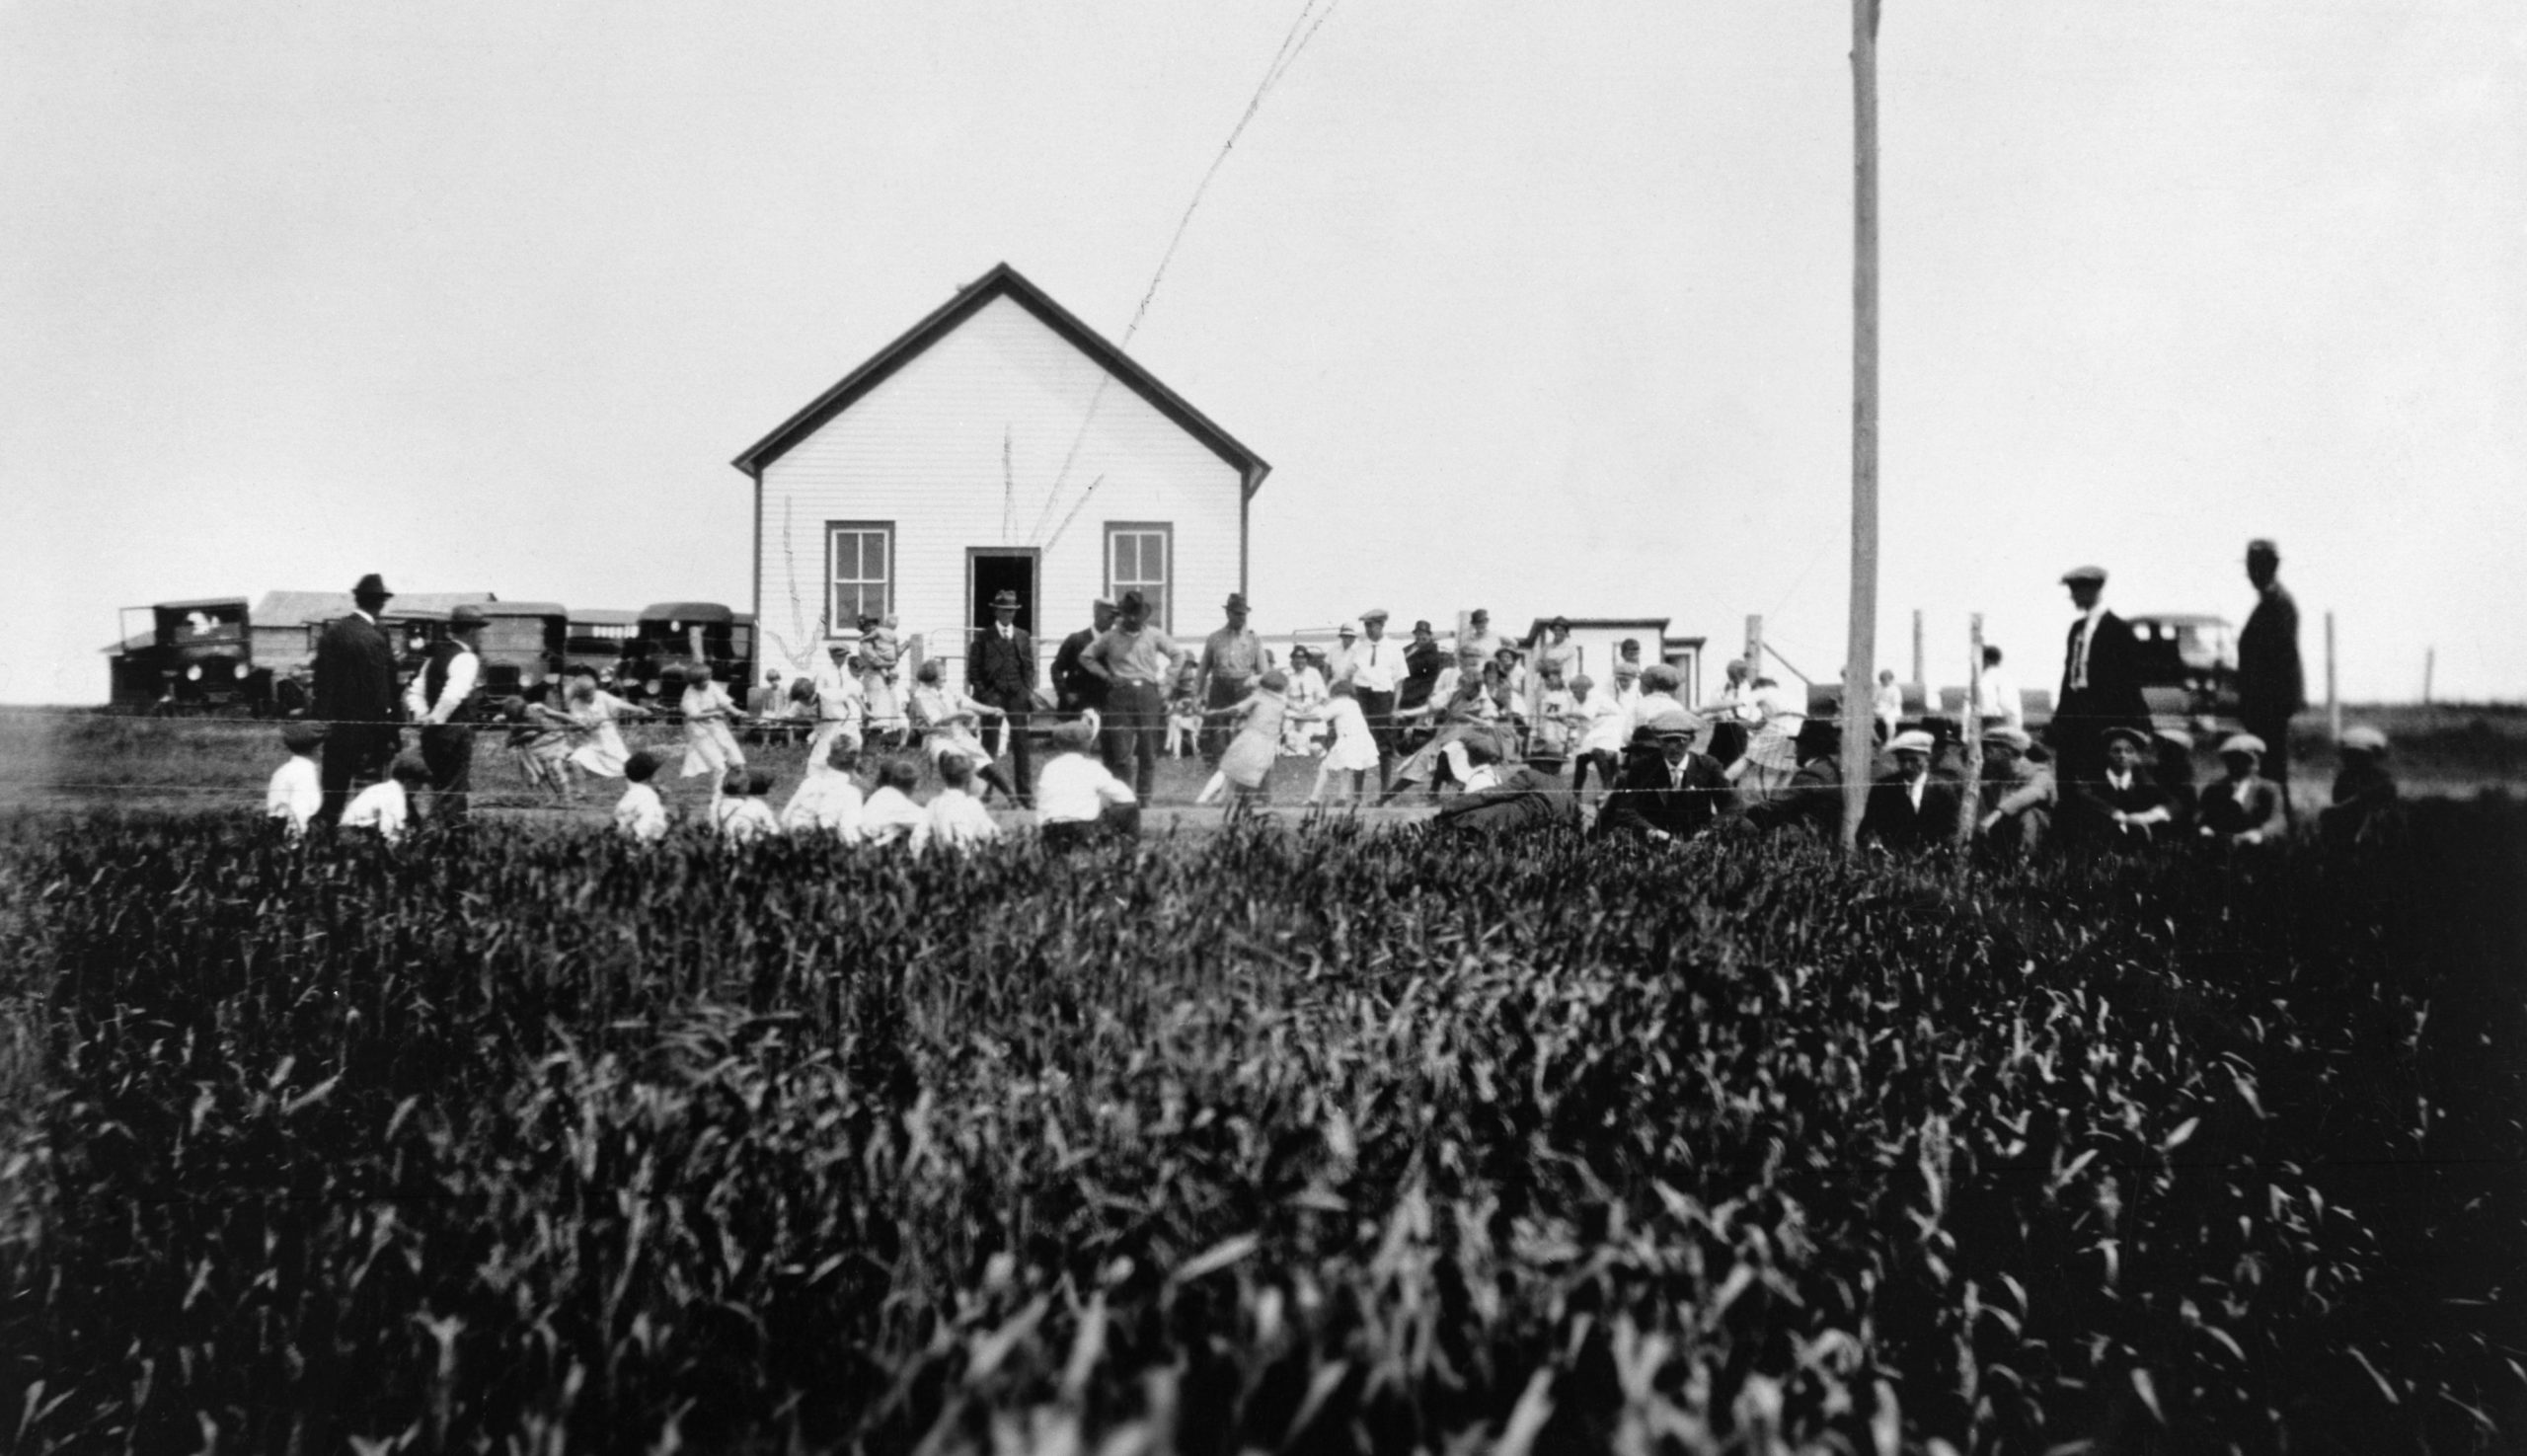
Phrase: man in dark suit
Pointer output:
(1077, 690)
(1911, 809)
(2271, 684)
(1001, 671)
(355, 698)
(2100, 680)
(2123, 804)
(1668, 791)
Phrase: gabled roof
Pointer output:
(1003, 282)
(282, 608)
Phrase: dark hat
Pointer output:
(1004, 600)
(1106, 603)
(1818, 736)
(2262, 546)
(1236, 602)
(1424, 625)
(1558, 622)
(409, 768)
(1132, 602)
(1478, 615)
(466, 614)
(371, 585)
(2138, 739)
(2094, 575)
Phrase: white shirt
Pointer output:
(640, 814)
(1374, 667)
(1913, 790)
(1609, 724)
(741, 820)
(381, 807)
(462, 671)
(1074, 789)
(2080, 655)
(828, 801)
(890, 818)
(2001, 697)
(295, 794)
(958, 820)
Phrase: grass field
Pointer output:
(1319, 1141)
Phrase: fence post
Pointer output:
(1921, 667)
(2333, 705)
(1969, 801)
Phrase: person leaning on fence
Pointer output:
(2123, 804)
(1136, 662)
(387, 805)
(641, 814)
(1668, 789)
(1000, 673)
(2366, 813)
(2019, 796)
(1911, 809)
(2243, 807)
(296, 794)
(1812, 798)
(355, 696)
(1078, 799)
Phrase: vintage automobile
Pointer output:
(594, 638)
(682, 632)
(522, 647)
(2189, 664)
(195, 658)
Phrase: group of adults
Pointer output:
(362, 701)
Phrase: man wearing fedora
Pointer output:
(355, 698)
(1000, 672)
(2100, 681)
(441, 700)
(2271, 685)
(1231, 659)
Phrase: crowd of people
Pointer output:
(1495, 733)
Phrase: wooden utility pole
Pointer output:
(2333, 705)
(1921, 667)
(2429, 661)
(1860, 660)
(1969, 804)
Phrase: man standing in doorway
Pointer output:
(2272, 686)
(1375, 666)
(441, 701)
(1135, 661)
(2100, 682)
(1001, 672)
(355, 698)
(1231, 659)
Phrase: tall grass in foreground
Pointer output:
(1312, 1142)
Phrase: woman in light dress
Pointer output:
(1246, 764)
(597, 748)
(1353, 752)
(709, 746)
(951, 723)
(1305, 729)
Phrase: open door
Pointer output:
(990, 570)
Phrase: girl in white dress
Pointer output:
(1304, 731)
(1354, 752)
(709, 748)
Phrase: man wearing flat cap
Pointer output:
(2019, 796)
(355, 698)
(1374, 665)
(441, 701)
(1231, 658)
(1000, 672)
(1668, 792)
(1911, 809)
(2100, 681)
(2271, 685)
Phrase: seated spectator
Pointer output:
(1078, 801)
(2366, 811)
(1532, 797)
(2018, 795)
(1667, 791)
(739, 813)
(827, 800)
(2127, 805)
(1812, 800)
(1911, 809)
(2243, 807)
(951, 722)
(2171, 765)
(297, 791)
(1604, 722)
(387, 806)
(640, 814)
(958, 819)
(890, 818)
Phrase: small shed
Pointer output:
(999, 445)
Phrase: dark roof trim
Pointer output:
(1002, 281)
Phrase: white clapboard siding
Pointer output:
(924, 448)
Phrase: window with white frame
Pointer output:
(860, 572)
(1141, 556)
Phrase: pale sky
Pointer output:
(1540, 308)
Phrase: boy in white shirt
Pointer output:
(639, 813)
(387, 806)
(827, 800)
(958, 819)
(296, 791)
(740, 814)
(1077, 800)
(890, 817)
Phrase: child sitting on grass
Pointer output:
(890, 816)
(297, 791)
(639, 813)
(957, 819)
(739, 814)
(387, 806)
